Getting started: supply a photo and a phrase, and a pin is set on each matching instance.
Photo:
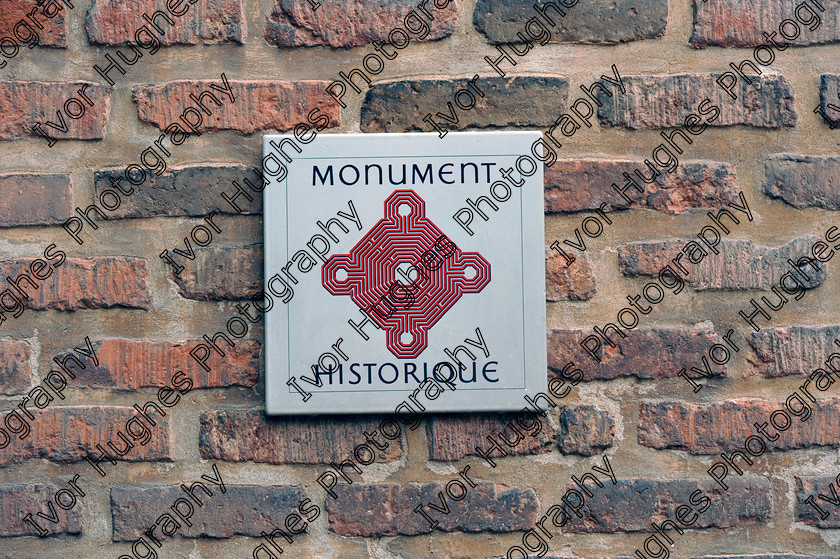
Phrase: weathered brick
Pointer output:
(30, 497)
(242, 510)
(803, 181)
(131, 364)
(81, 283)
(295, 24)
(792, 350)
(113, 22)
(15, 372)
(218, 274)
(54, 29)
(568, 282)
(830, 95)
(35, 199)
(600, 21)
(400, 106)
(287, 440)
(452, 437)
(24, 104)
(733, 23)
(665, 101)
(807, 486)
(719, 427)
(632, 504)
(586, 430)
(740, 265)
(574, 185)
(645, 353)
(387, 509)
(68, 434)
(193, 191)
(766, 556)
(258, 105)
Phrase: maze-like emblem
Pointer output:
(378, 274)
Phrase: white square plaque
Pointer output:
(396, 258)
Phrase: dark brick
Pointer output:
(35, 199)
(646, 353)
(599, 21)
(665, 101)
(218, 274)
(803, 181)
(15, 372)
(741, 265)
(807, 486)
(452, 437)
(295, 24)
(830, 95)
(31, 498)
(53, 34)
(387, 509)
(287, 440)
(584, 184)
(792, 350)
(400, 106)
(719, 427)
(586, 430)
(568, 282)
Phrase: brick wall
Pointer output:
(640, 406)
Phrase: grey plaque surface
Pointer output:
(371, 230)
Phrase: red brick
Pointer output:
(452, 437)
(15, 372)
(258, 105)
(633, 504)
(113, 22)
(295, 24)
(665, 101)
(24, 104)
(242, 510)
(35, 199)
(131, 364)
(81, 283)
(733, 23)
(803, 181)
(218, 274)
(574, 185)
(719, 427)
(646, 353)
(54, 29)
(741, 265)
(247, 435)
(18, 500)
(387, 509)
(792, 350)
(68, 434)
(586, 430)
(807, 486)
(568, 282)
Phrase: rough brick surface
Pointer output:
(258, 105)
(242, 510)
(54, 30)
(601, 21)
(665, 101)
(646, 353)
(68, 434)
(400, 106)
(131, 364)
(766, 556)
(31, 497)
(24, 104)
(584, 184)
(218, 274)
(740, 265)
(568, 282)
(586, 430)
(287, 440)
(792, 350)
(294, 23)
(807, 486)
(80, 283)
(113, 22)
(732, 23)
(194, 190)
(452, 437)
(804, 181)
(830, 95)
(387, 509)
(34, 199)
(632, 504)
(714, 428)
(15, 372)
